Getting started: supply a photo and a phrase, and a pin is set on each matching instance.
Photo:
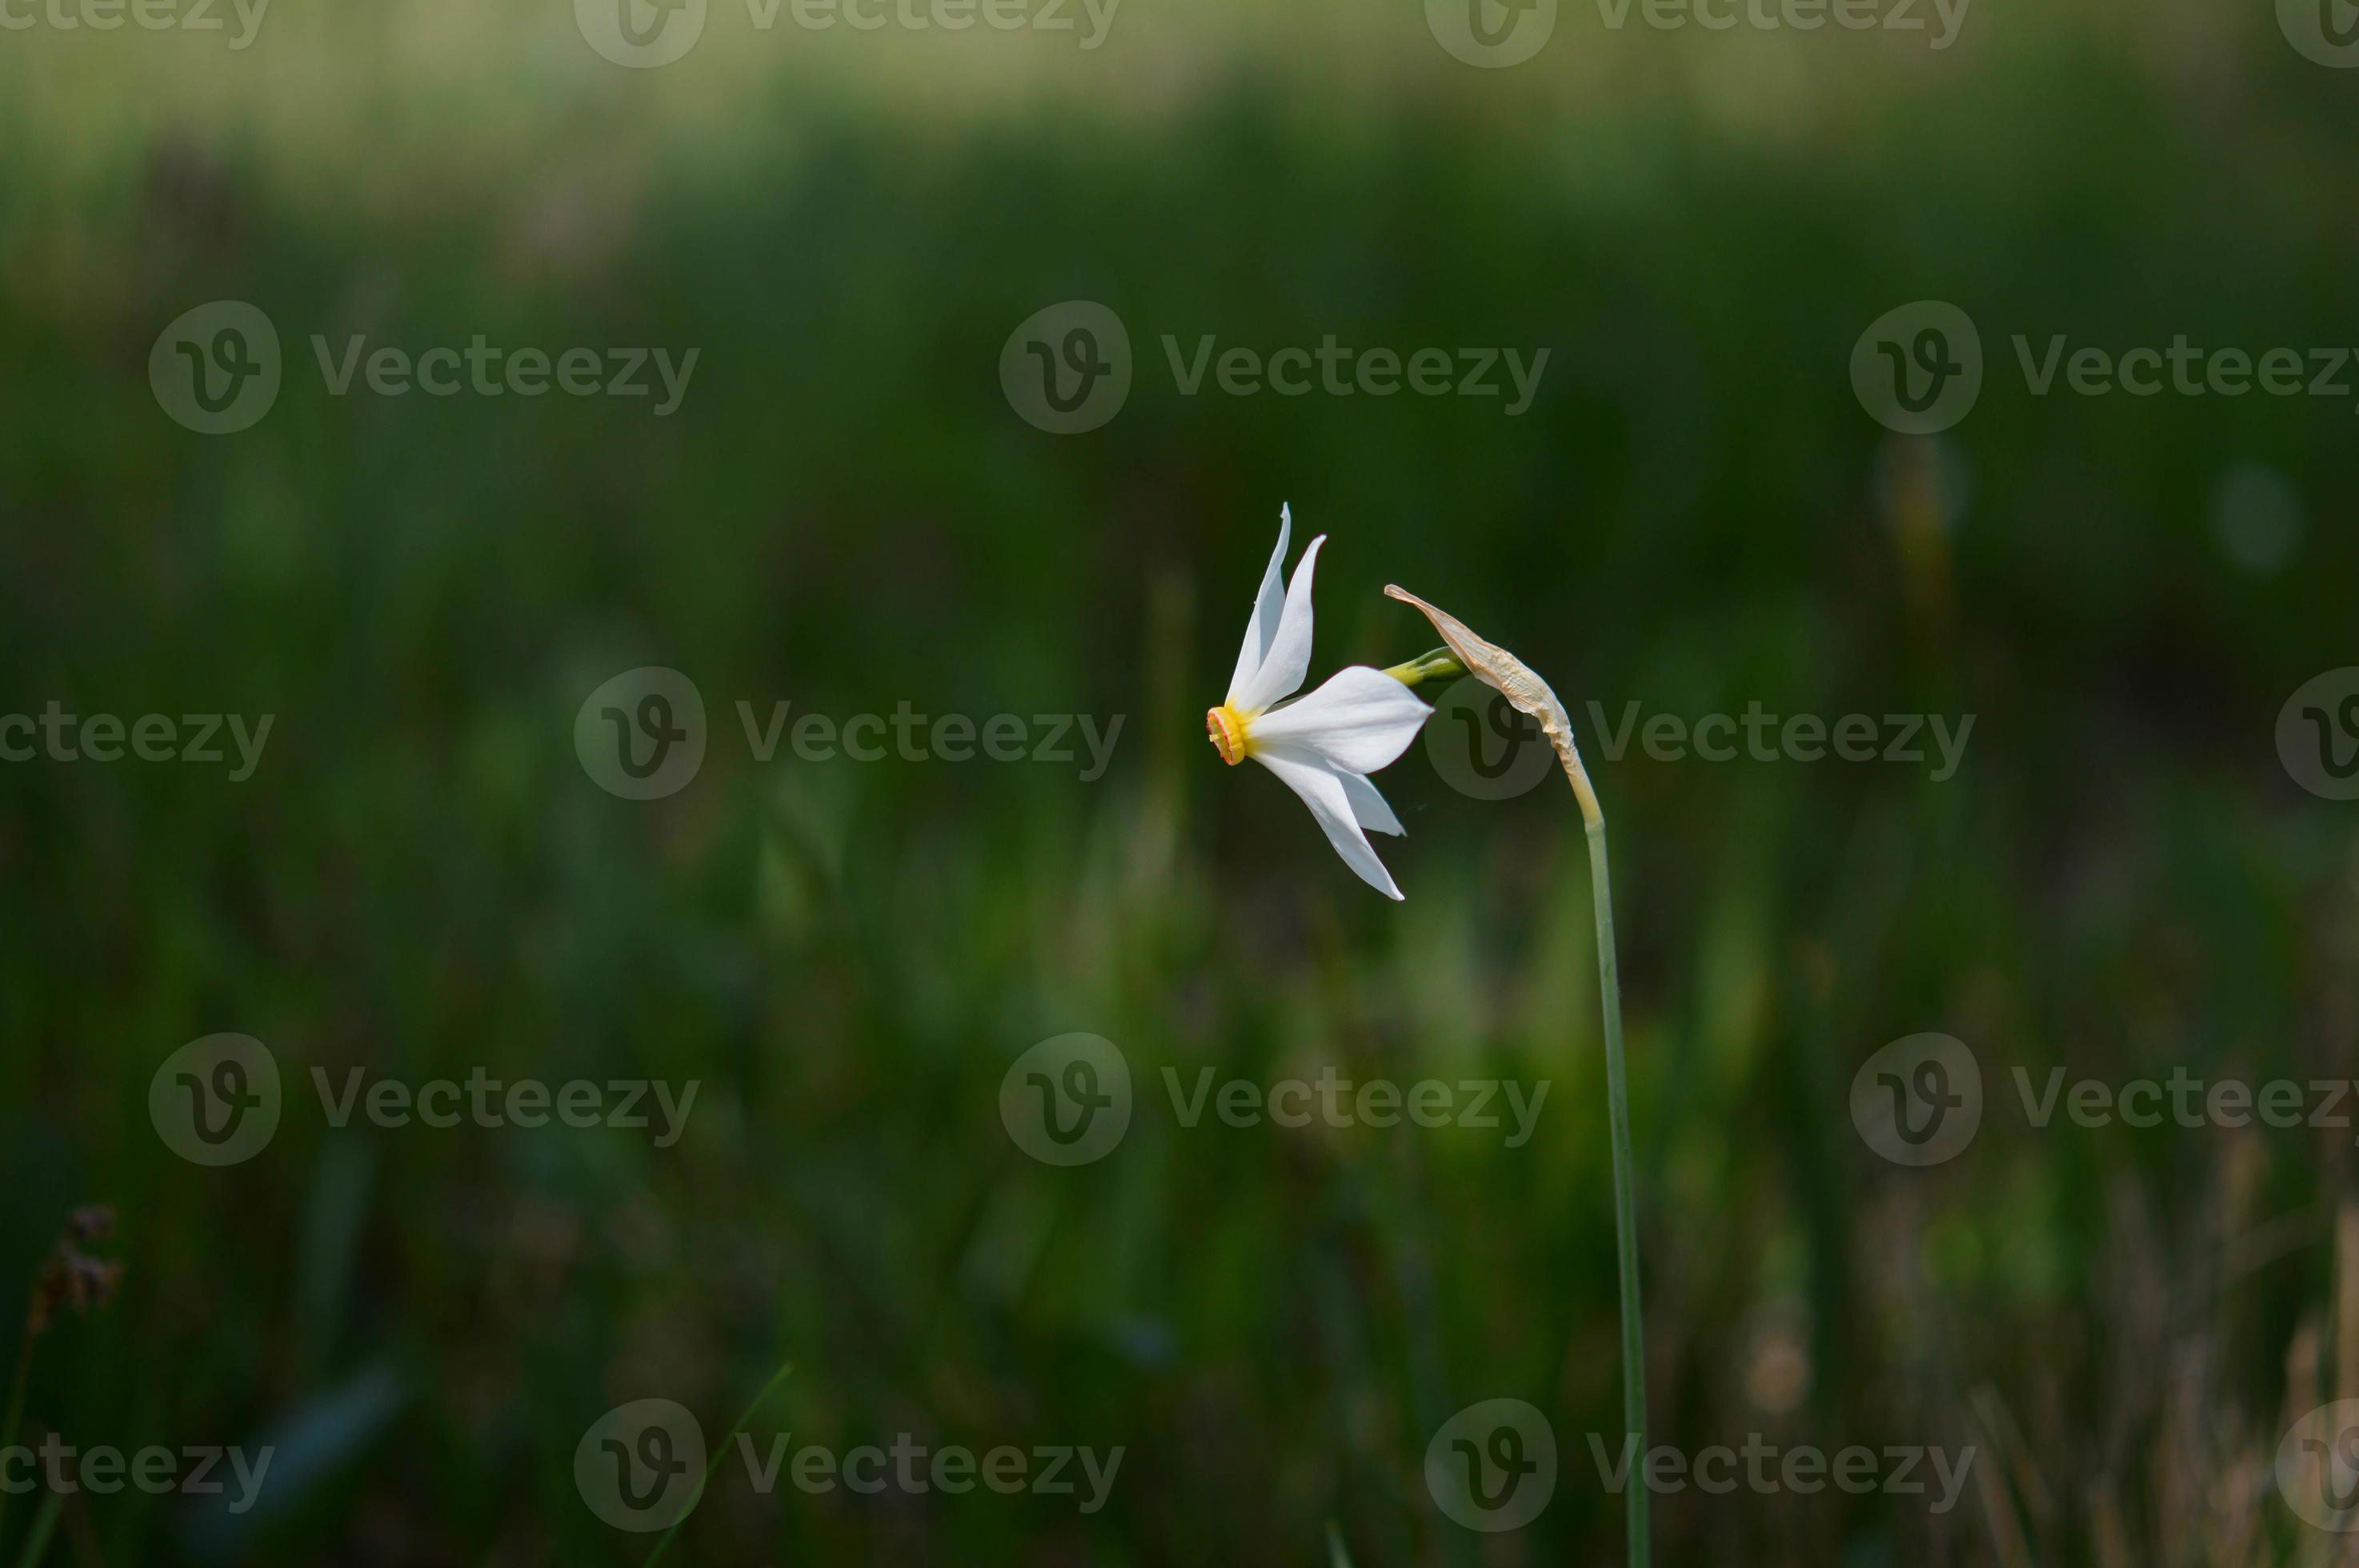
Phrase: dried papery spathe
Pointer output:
(1514, 680)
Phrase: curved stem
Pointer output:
(1625, 1218)
(1515, 680)
(718, 1455)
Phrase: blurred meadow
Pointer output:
(1694, 514)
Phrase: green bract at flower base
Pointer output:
(1435, 665)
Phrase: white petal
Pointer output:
(1360, 720)
(1322, 790)
(1289, 659)
(1368, 807)
(1262, 628)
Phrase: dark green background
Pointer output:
(1695, 514)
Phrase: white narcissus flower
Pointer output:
(1325, 745)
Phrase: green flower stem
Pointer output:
(719, 1453)
(1530, 694)
(1617, 1113)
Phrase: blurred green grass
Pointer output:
(1695, 514)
